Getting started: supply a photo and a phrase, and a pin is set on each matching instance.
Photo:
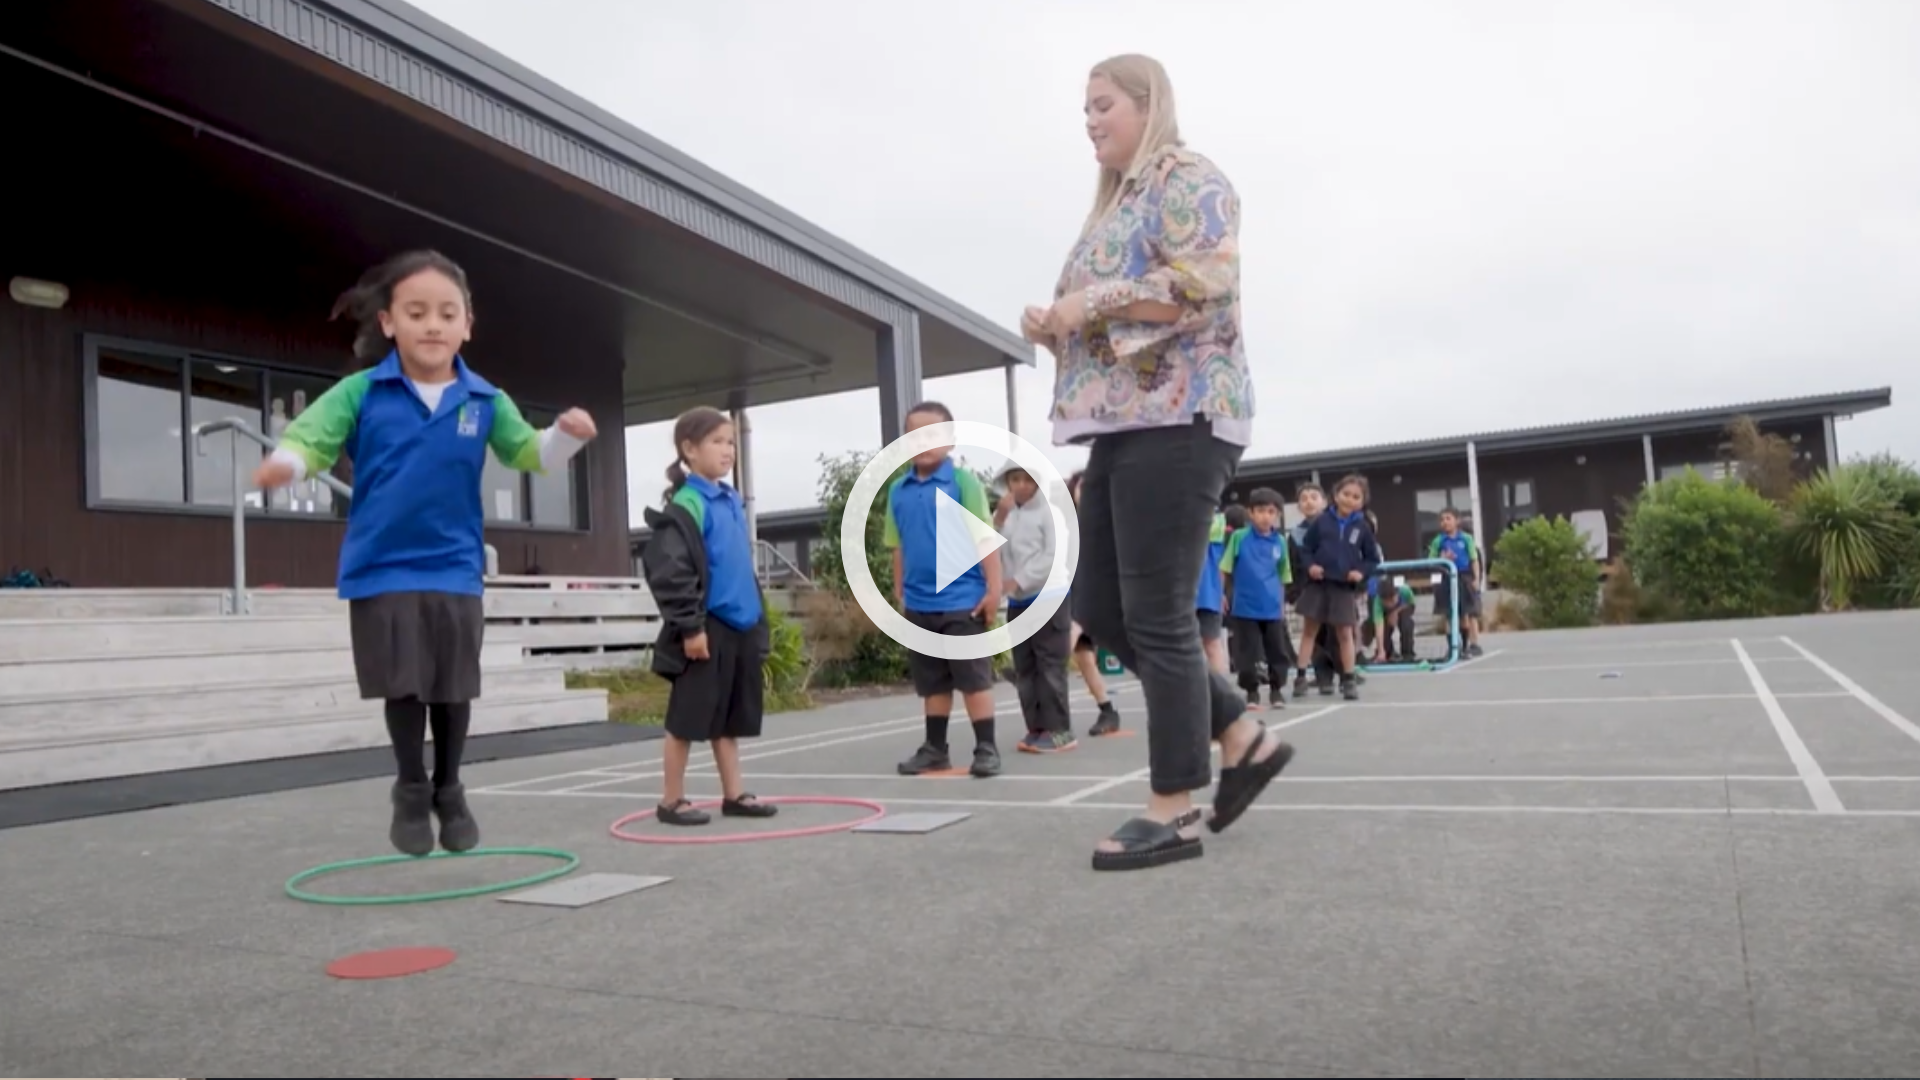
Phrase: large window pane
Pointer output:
(500, 492)
(289, 395)
(137, 439)
(553, 496)
(220, 391)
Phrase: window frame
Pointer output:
(1508, 506)
(1425, 538)
(92, 344)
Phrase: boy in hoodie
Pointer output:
(1341, 554)
(1040, 662)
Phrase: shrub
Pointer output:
(1548, 561)
(1623, 601)
(1713, 548)
(1763, 461)
(788, 670)
(1846, 520)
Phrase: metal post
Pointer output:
(241, 604)
(897, 363)
(1833, 441)
(743, 474)
(1479, 520)
(1646, 451)
(1013, 401)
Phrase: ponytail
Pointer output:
(676, 476)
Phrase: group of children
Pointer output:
(418, 423)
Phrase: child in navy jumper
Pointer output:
(1256, 570)
(714, 636)
(418, 425)
(1341, 554)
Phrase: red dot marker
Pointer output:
(390, 963)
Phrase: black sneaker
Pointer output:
(1108, 723)
(1324, 685)
(458, 831)
(412, 828)
(1474, 649)
(1350, 688)
(1048, 742)
(929, 758)
(986, 761)
(1299, 685)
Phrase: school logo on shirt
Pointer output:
(469, 423)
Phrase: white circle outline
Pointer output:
(853, 540)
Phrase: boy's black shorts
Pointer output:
(1469, 598)
(1212, 626)
(933, 675)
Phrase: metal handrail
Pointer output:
(241, 604)
(764, 568)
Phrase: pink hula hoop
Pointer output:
(619, 831)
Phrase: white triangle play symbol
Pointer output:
(960, 540)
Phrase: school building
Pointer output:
(1582, 471)
(195, 181)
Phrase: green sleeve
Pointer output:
(1433, 546)
(891, 535)
(1286, 561)
(320, 430)
(1473, 548)
(1379, 613)
(1219, 532)
(973, 494)
(691, 501)
(515, 442)
(1232, 552)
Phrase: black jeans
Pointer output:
(1040, 672)
(1147, 502)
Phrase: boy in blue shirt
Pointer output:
(1460, 549)
(1256, 570)
(1209, 598)
(965, 606)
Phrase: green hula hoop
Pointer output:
(568, 860)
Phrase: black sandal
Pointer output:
(1145, 843)
(1242, 783)
(747, 806)
(681, 813)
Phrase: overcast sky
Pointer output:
(1457, 216)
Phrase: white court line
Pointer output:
(1475, 660)
(1630, 665)
(1859, 692)
(1141, 774)
(1113, 689)
(1624, 699)
(1412, 778)
(1628, 646)
(1825, 799)
(1295, 808)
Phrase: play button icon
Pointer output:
(960, 540)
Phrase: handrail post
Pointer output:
(241, 604)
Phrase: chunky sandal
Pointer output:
(747, 806)
(1242, 783)
(681, 813)
(1145, 843)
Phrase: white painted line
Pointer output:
(1623, 699)
(1859, 692)
(1630, 665)
(1483, 657)
(1825, 799)
(1142, 774)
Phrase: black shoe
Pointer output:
(747, 806)
(929, 758)
(1350, 688)
(1108, 723)
(681, 813)
(458, 830)
(1474, 649)
(1325, 686)
(1299, 685)
(412, 829)
(986, 761)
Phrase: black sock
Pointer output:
(1106, 707)
(407, 728)
(983, 732)
(449, 741)
(936, 731)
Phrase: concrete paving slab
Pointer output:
(1848, 739)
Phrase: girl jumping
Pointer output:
(714, 634)
(418, 424)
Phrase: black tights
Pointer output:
(407, 721)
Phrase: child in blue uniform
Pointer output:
(1341, 554)
(418, 425)
(1257, 569)
(714, 634)
(1209, 599)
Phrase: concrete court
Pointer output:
(1522, 867)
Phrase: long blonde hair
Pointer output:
(1143, 79)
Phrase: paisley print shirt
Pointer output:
(1173, 238)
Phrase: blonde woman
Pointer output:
(1145, 327)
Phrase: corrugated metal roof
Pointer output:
(1549, 435)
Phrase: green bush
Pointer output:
(1848, 521)
(1548, 561)
(788, 670)
(1714, 548)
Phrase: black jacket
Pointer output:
(675, 560)
(1338, 552)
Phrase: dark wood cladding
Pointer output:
(44, 520)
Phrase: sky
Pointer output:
(1457, 217)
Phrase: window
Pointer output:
(1427, 506)
(144, 401)
(1516, 503)
(1712, 470)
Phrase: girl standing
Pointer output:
(418, 424)
(714, 634)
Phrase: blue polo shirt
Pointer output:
(1209, 593)
(417, 522)
(912, 526)
(1459, 549)
(1260, 567)
(733, 591)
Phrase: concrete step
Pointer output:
(157, 603)
(201, 668)
(266, 738)
(103, 715)
(59, 639)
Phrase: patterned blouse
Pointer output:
(1173, 238)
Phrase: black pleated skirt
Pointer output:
(423, 645)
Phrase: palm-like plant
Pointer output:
(1846, 521)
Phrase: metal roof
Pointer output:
(453, 74)
(1540, 437)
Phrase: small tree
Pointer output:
(1847, 522)
(1714, 548)
(1763, 461)
(1549, 562)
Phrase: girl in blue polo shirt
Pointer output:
(418, 424)
(714, 634)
